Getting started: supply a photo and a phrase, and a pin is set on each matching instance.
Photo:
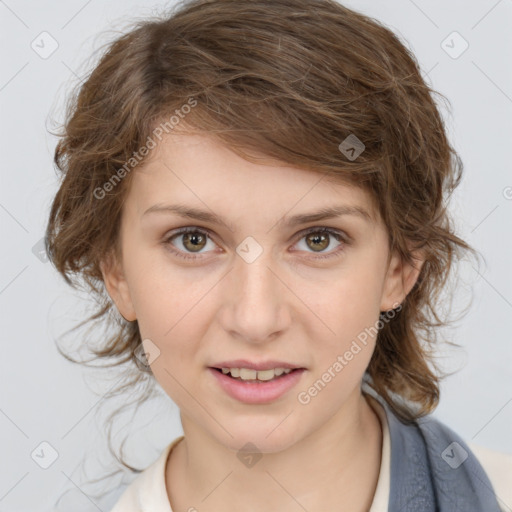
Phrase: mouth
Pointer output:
(256, 376)
(252, 386)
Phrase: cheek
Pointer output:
(345, 327)
(173, 311)
(177, 338)
(162, 293)
(346, 305)
(167, 308)
(340, 359)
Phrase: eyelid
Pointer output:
(345, 240)
(298, 235)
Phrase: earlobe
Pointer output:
(117, 288)
(400, 279)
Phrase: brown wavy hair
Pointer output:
(289, 79)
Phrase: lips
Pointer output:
(251, 392)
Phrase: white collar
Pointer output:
(148, 491)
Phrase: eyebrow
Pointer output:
(332, 212)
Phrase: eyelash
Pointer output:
(339, 236)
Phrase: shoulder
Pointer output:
(498, 466)
(455, 451)
(148, 490)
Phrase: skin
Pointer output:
(288, 305)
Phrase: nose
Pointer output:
(256, 300)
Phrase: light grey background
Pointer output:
(46, 398)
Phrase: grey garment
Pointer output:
(434, 470)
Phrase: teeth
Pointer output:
(248, 374)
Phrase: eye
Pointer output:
(319, 238)
(193, 239)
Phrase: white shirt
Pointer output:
(148, 493)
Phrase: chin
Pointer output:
(280, 438)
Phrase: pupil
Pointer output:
(317, 239)
(193, 238)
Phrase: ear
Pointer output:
(117, 287)
(400, 279)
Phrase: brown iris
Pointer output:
(316, 238)
(196, 240)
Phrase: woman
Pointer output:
(259, 188)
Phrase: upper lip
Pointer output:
(259, 366)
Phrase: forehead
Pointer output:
(199, 170)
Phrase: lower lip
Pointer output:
(257, 392)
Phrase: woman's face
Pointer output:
(263, 286)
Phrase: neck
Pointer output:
(339, 461)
